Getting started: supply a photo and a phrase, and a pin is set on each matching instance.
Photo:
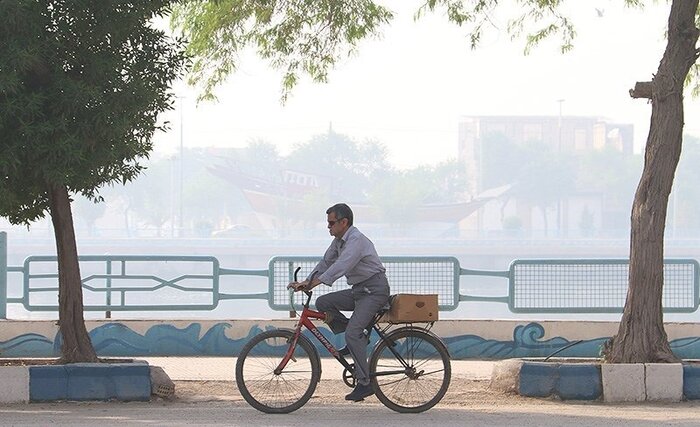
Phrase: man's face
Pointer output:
(337, 227)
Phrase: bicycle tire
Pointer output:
(271, 393)
(424, 383)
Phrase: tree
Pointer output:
(349, 166)
(614, 175)
(538, 175)
(208, 199)
(297, 35)
(448, 181)
(81, 86)
(641, 336)
(89, 212)
(545, 177)
(397, 193)
(501, 161)
(151, 197)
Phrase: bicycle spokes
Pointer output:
(413, 374)
(266, 383)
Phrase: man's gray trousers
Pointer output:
(365, 299)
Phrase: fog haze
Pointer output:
(387, 135)
(409, 89)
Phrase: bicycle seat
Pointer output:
(384, 310)
(387, 306)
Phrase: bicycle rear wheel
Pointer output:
(422, 382)
(274, 393)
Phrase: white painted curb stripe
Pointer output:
(15, 384)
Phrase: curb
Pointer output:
(660, 382)
(79, 381)
(568, 381)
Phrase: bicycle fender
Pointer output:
(415, 328)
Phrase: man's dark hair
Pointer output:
(341, 210)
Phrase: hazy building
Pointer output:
(558, 133)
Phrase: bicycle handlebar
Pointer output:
(308, 293)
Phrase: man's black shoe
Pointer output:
(360, 392)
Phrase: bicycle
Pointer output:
(278, 370)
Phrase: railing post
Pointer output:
(292, 311)
(108, 314)
(3, 275)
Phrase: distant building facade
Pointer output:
(566, 133)
(560, 134)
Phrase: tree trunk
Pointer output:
(76, 346)
(641, 336)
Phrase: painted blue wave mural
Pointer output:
(117, 339)
(27, 345)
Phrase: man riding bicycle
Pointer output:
(350, 254)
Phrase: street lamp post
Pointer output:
(172, 197)
(182, 171)
(559, 207)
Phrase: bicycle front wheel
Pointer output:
(411, 370)
(283, 392)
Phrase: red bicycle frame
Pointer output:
(305, 321)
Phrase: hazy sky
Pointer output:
(409, 89)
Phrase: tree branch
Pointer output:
(641, 90)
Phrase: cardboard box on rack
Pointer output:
(410, 308)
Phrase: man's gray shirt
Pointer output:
(352, 256)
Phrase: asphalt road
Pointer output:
(207, 396)
(364, 414)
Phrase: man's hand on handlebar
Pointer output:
(298, 286)
(303, 286)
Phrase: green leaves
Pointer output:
(308, 37)
(535, 20)
(81, 87)
(295, 36)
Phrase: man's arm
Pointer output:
(329, 258)
(355, 248)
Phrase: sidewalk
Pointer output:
(223, 368)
